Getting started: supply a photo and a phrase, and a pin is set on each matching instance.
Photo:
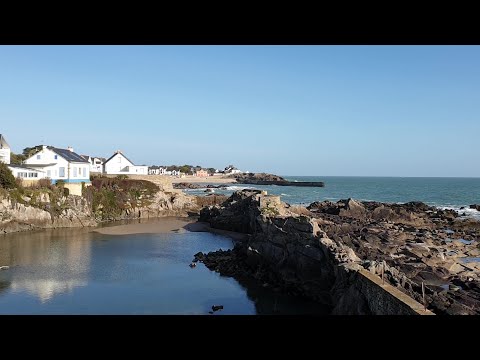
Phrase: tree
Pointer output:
(16, 159)
(7, 180)
(29, 151)
(185, 169)
(211, 170)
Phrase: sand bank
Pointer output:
(165, 225)
(152, 226)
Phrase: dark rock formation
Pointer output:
(184, 185)
(475, 206)
(238, 214)
(210, 199)
(269, 179)
(319, 255)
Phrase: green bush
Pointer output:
(7, 180)
(122, 177)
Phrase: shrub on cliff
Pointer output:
(111, 196)
(7, 180)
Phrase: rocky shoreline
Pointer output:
(269, 179)
(409, 244)
(313, 251)
(107, 200)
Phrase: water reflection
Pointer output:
(75, 271)
(46, 263)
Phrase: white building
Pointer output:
(4, 150)
(96, 163)
(26, 173)
(156, 170)
(232, 170)
(118, 164)
(60, 164)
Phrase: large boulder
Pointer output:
(353, 209)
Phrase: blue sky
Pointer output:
(289, 110)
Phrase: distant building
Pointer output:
(232, 170)
(118, 164)
(156, 170)
(4, 150)
(60, 164)
(201, 173)
(96, 163)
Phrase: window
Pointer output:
(74, 172)
(55, 157)
(38, 157)
(84, 172)
(61, 172)
(49, 173)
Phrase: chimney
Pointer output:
(119, 151)
(44, 147)
(70, 148)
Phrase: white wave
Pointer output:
(470, 213)
(235, 187)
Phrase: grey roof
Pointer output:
(41, 165)
(68, 155)
(110, 158)
(23, 167)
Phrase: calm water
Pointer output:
(74, 271)
(441, 192)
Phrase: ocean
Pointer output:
(445, 193)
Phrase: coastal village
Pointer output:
(70, 167)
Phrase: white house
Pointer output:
(96, 163)
(4, 150)
(24, 172)
(232, 170)
(156, 170)
(118, 164)
(60, 164)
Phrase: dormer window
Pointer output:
(55, 157)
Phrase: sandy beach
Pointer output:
(164, 226)
(209, 179)
(151, 226)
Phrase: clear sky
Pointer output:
(289, 110)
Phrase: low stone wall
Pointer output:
(75, 188)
